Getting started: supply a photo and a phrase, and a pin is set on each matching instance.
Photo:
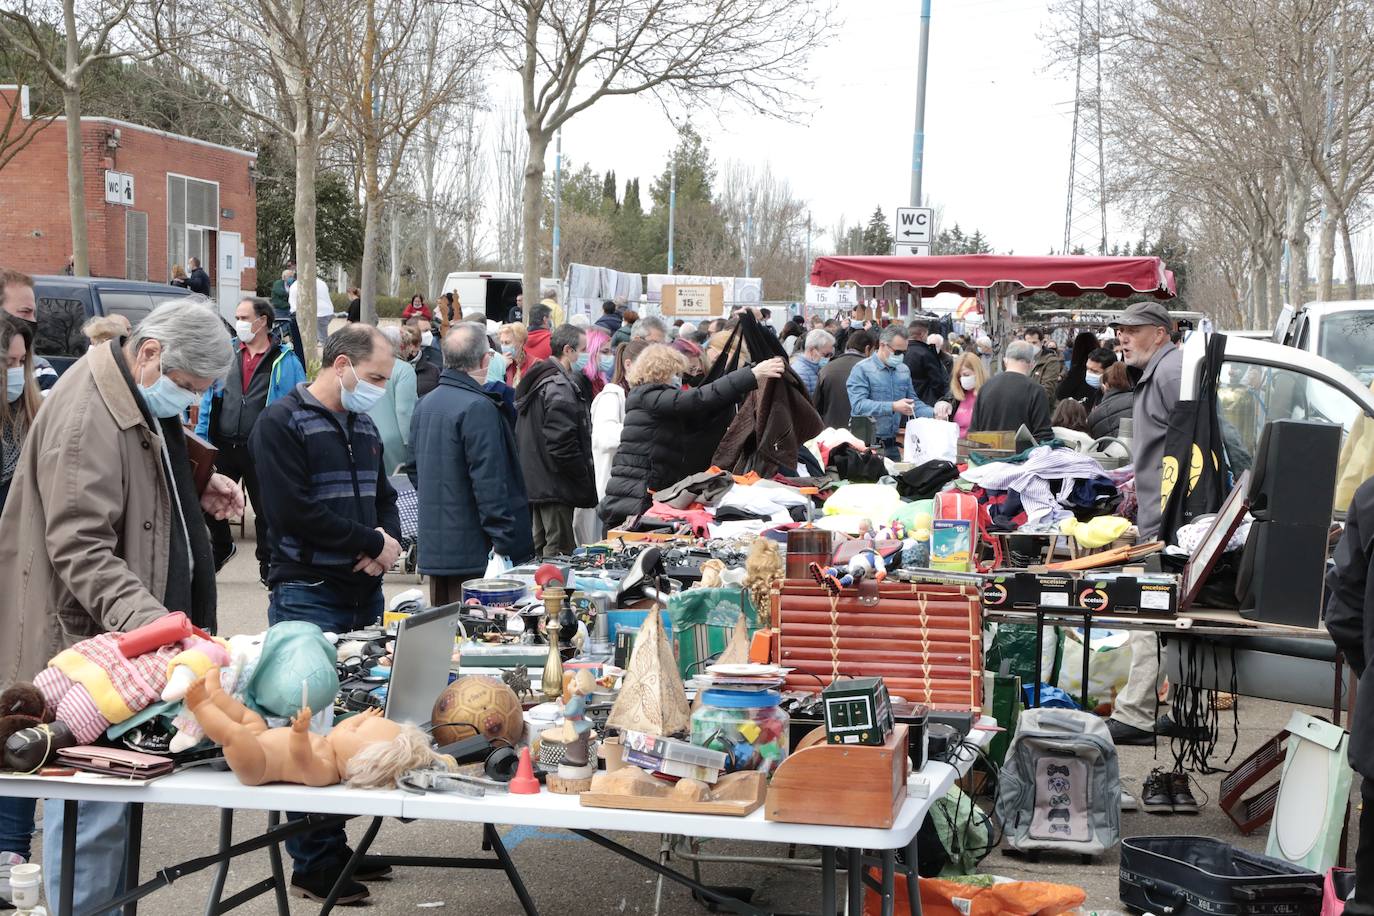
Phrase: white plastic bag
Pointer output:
(929, 439)
(497, 565)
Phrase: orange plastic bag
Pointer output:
(940, 897)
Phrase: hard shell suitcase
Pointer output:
(1202, 876)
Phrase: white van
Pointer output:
(492, 291)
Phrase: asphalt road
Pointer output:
(569, 876)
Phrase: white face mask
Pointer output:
(426, 338)
(967, 382)
(244, 329)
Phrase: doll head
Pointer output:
(379, 752)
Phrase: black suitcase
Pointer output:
(1201, 876)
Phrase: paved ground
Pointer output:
(569, 876)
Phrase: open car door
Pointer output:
(1262, 381)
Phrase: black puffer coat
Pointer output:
(659, 420)
(1105, 419)
(553, 434)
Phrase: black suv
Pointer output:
(66, 303)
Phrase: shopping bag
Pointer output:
(1108, 667)
(980, 895)
(497, 565)
(929, 439)
(1339, 883)
(1195, 477)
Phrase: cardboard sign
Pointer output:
(694, 301)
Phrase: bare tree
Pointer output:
(386, 83)
(85, 38)
(760, 209)
(511, 150)
(571, 53)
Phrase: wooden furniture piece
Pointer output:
(841, 785)
(735, 795)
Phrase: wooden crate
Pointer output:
(924, 640)
(841, 785)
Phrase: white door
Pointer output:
(227, 276)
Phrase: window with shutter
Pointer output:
(135, 245)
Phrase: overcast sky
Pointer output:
(998, 123)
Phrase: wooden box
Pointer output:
(841, 785)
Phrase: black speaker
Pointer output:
(1292, 486)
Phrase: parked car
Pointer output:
(66, 303)
(1342, 332)
(492, 291)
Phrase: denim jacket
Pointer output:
(873, 386)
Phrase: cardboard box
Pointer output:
(691, 301)
(1026, 591)
(1149, 595)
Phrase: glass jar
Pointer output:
(748, 726)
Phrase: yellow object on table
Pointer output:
(1098, 532)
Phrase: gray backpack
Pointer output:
(1059, 788)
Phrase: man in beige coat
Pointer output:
(103, 530)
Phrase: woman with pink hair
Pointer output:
(600, 359)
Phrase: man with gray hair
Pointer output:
(880, 387)
(820, 346)
(103, 531)
(472, 494)
(651, 328)
(1012, 399)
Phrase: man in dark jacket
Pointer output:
(832, 398)
(609, 321)
(1048, 365)
(1350, 593)
(553, 430)
(197, 281)
(1012, 400)
(333, 528)
(472, 493)
(928, 375)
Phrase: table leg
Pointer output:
(226, 839)
(855, 876)
(351, 866)
(888, 892)
(67, 886)
(512, 873)
(133, 855)
(278, 873)
(913, 879)
(1039, 639)
(828, 881)
(1087, 654)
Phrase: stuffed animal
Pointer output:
(243, 654)
(28, 736)
(366, 750)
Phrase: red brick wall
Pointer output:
(35, 225)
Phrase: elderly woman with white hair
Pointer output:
(103, 531)
(393, 412)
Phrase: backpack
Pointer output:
(950, 547)
(1060, 788)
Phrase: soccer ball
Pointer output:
(481, 703)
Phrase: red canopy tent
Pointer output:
(1000, 279)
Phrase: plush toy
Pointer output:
(366, 750)
(199, 656)
(28, 736)
(93, 685)
(244, 651)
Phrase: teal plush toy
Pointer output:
(297, 661)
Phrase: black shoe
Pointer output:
(316, 885)
(1128, 734)
(1168, 728)
(1155, 796)
(372, 868)
(1181, 794)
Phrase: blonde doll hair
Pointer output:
(381, 765)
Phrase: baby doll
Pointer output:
(366, 750)
(763, 567)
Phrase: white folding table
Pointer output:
(209, 788)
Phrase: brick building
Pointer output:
(153, 200)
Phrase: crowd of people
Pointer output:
(521, 440)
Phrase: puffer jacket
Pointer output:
(658, 420)
(553, 434)
(1105, 419)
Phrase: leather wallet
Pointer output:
(114, 761)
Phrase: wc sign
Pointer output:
(912, 230)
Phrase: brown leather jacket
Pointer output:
(86, 530)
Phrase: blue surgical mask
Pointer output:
(14, 383)
(607, 364)
(1094, 379)
(581, 362)
(496, 369)
(822, 361)
(508, 349)
(165, 398)
(364, 395)
(896, 360)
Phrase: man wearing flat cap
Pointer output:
(1143, 330)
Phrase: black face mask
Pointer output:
(33, 326)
